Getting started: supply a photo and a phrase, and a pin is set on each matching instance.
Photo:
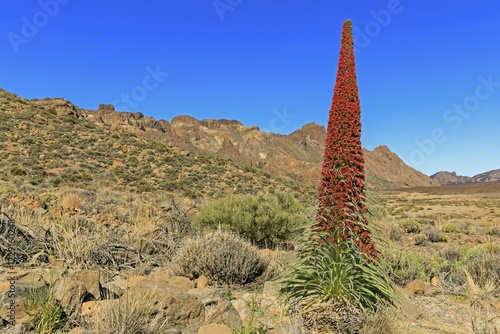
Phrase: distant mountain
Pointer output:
(491, 176)
(449, 178)
(386, 170)
(445, 178)
(297, 156)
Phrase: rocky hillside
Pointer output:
(52, 143)
(297, 156)
(386, 170)
(448, 178)
(491, 176)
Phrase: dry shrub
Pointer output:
(292, 324)
(433, 234)
(130, 314)
(223, 257)
(420, 239)
(394, 232)
(73, 242)
(494, 230)
(426, 221)
(384, 321)
(483, 264)
(70, 201)
(333, 317)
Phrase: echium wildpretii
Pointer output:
(342, 189)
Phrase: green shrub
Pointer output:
(221, 256)
(17, 170)
(482, 263)
(450, 228)
(404, 267)
(48, 314)
(410, 225)
(262, 219)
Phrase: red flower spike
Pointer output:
(342, 191)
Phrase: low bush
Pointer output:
(394, 232)
(426, 221)
(482, 263)
(130, 314)
(420, 239)
(221, 256)
(410, 225)
(433, 234)
(495, 230)
(450, 228)
(404, 267)
(262, 219)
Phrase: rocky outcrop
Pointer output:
(448, 178)
(60, 107)
(444, 178)
(298, 155)
(384, 170)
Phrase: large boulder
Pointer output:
(178, 306)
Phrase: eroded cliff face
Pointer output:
(298, 155)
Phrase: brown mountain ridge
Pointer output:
(450, 178)
(297, 156)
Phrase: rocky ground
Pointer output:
(93, 301)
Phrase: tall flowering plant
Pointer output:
(342, 188)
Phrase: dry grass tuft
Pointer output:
(70, 201)
(130, 314)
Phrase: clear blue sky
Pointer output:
(428, 71)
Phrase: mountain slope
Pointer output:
(297, 156)
(449, 178)
(52, 143)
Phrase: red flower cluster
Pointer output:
(341, 192)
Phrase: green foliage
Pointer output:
(48, 314)
(410, 225)
(251, 327)
(223, 257)
(404, 267)
(17, 171)
(262, 219)
(450, 228)
(338, 272)
(482, 263)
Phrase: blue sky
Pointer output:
(428, 71)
